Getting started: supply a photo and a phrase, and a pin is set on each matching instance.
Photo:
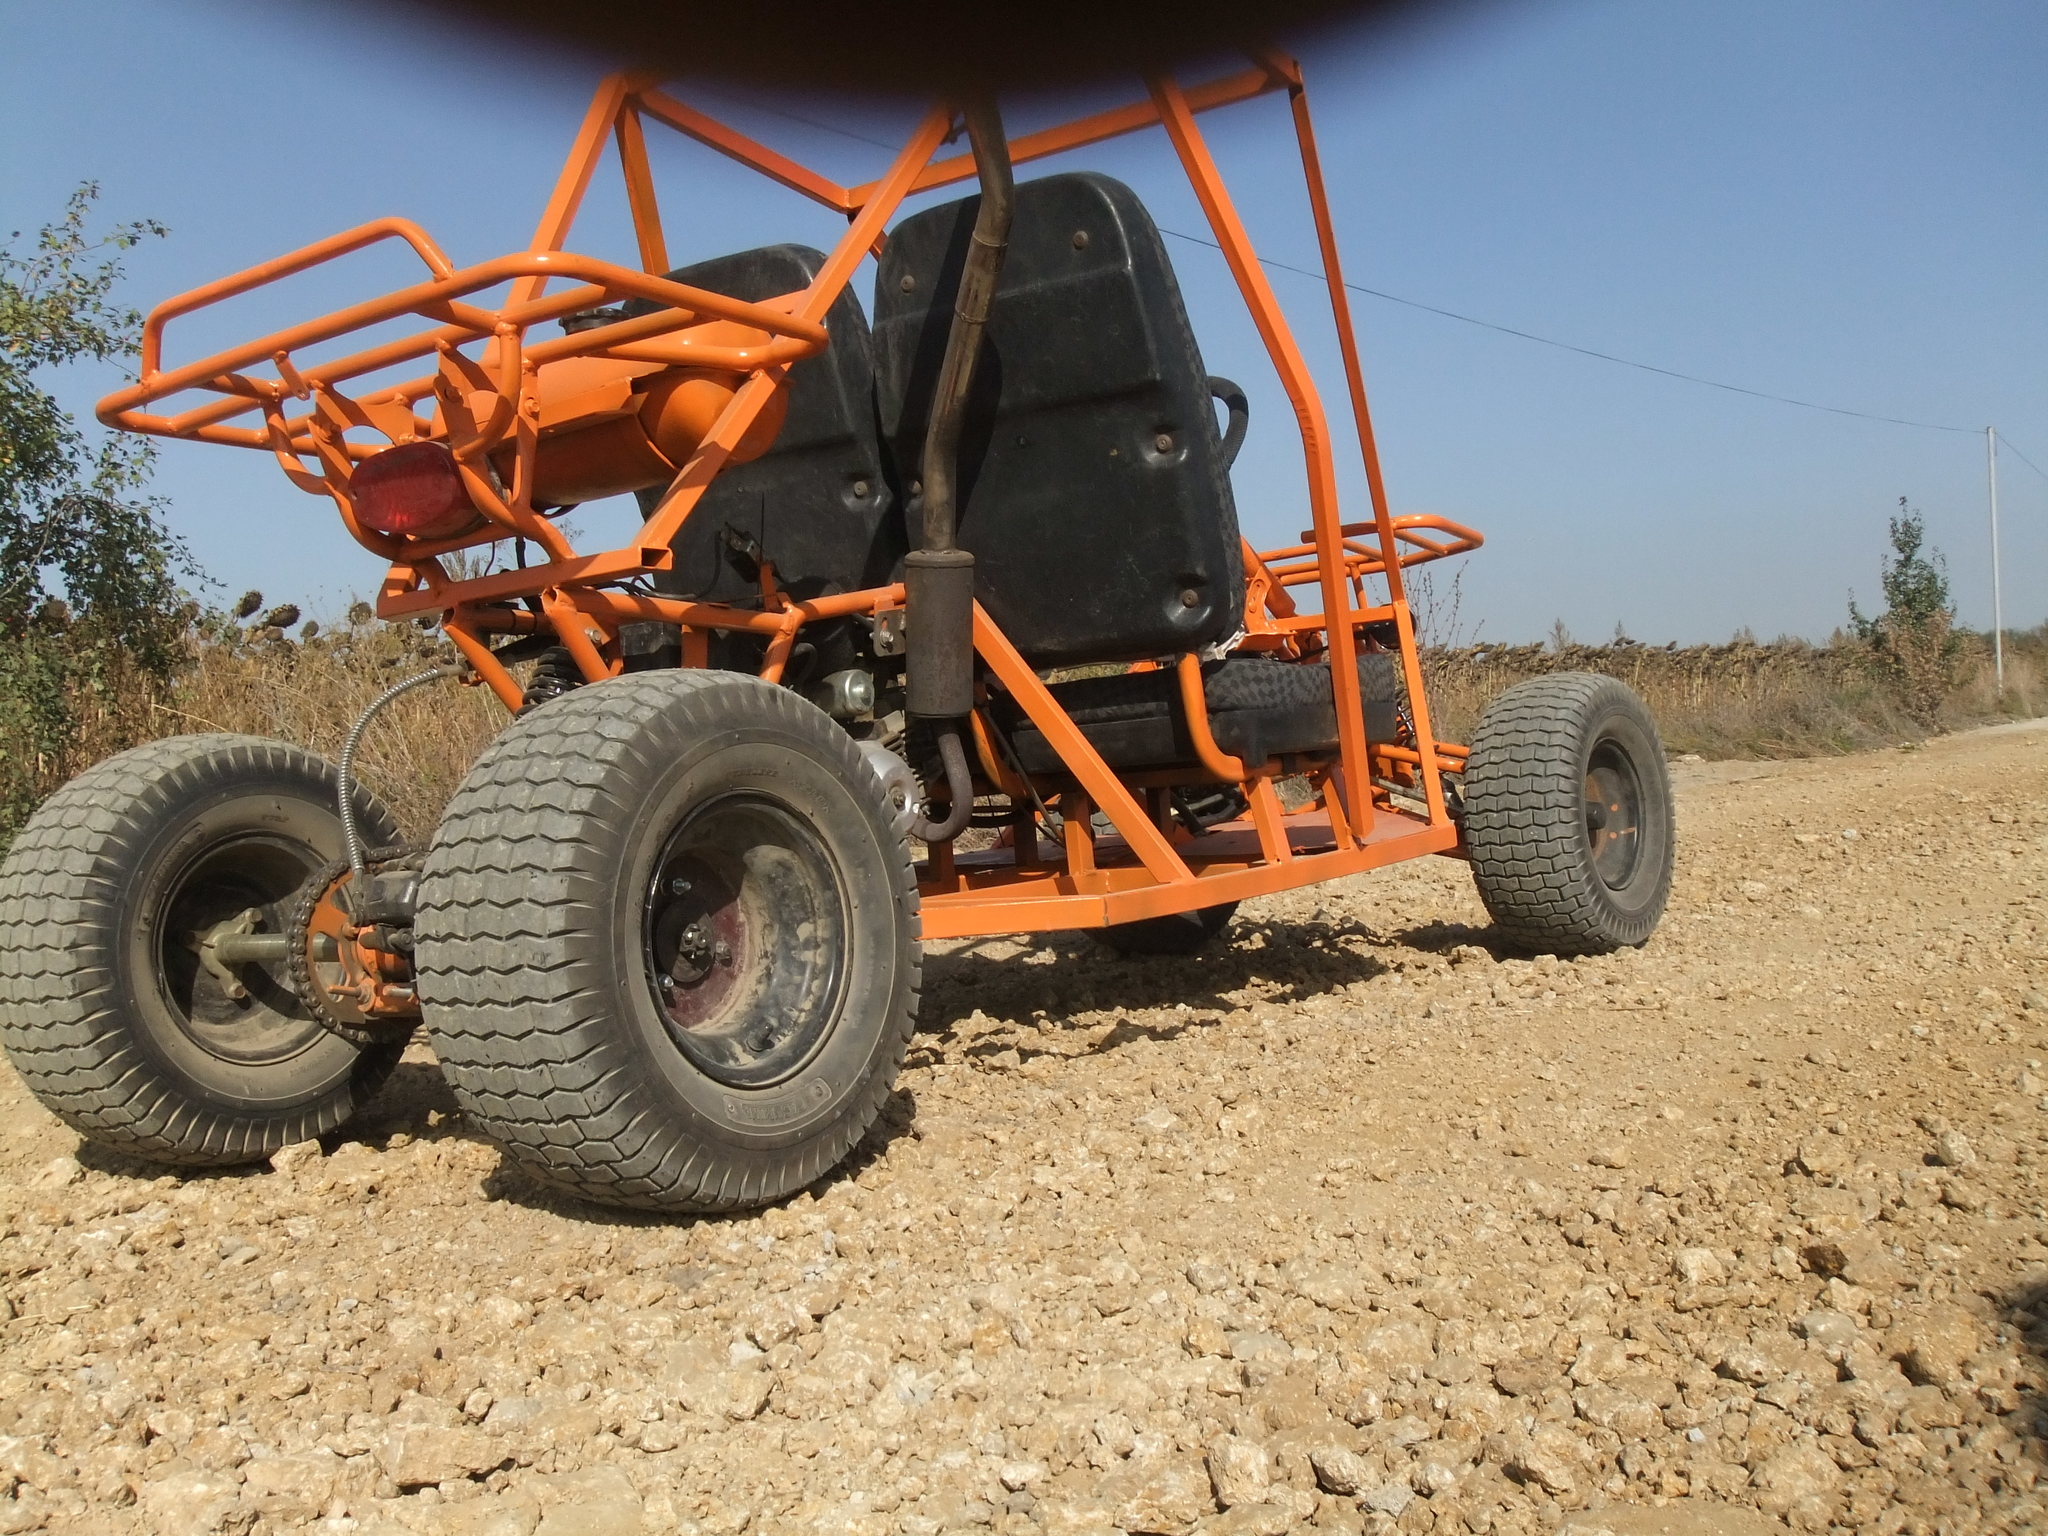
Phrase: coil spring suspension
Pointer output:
(554, 674)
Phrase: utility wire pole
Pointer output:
(1997, 601)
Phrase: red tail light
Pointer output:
(412, 491)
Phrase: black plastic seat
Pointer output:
(1258, 709)
(1094, 491)
(819, 504)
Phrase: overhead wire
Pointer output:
(2007, 444)
(1605, 357)
(1491, 325)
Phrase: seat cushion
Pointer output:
(1258, 709)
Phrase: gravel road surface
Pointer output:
(1350, 1225)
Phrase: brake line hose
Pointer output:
(344, 773)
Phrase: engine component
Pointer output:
(846, 695)
(351, 959)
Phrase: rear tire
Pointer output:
(1178, 933)
(1568, 815)
(105, 1010)
(668, 942)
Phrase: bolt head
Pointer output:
(679, 887)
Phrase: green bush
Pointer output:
(1912, 645)
(89, 595)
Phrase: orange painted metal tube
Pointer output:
(666, 520)
(1354, 375)
(1178, 119)
(631, 139)
(486, 666)
(1077, 752)
(1194, 708)
(1008, 900)
(566, 200)
(1094, 129)
(1413, 539)
(568, 623)
(993, 768)
(1270, 822)
(776, 167)
(875, 209)
(779, 647)
(1450, 758)
(348, 241)
(606, 280)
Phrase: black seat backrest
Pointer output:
(818, 504)
(1093, 488)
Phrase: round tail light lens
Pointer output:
(412, 491)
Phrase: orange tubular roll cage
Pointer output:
(1369, 802)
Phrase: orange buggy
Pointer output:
(964, 560)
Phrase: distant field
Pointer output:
(1743, 699)
(1784, 699)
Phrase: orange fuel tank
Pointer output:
(611, 425)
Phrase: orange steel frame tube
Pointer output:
(315, 418)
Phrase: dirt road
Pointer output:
(1349, 1226)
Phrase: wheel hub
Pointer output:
(218, 979)
(1614, 801)
(743, 937)
(351, 974)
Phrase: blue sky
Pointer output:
(1844, 201)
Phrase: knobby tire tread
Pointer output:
(515, 988)
(60, 892)
(1525, 818)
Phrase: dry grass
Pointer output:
(419, 746)
(309, 693)
(1784, 699)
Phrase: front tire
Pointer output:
(1568, 815)
(668, 942)
(106, 1010)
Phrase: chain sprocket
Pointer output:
(320, 1003)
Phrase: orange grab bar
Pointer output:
(349, 240)
(1194, 706)
(606, 281)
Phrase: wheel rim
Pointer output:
(743, 935)
(1614, 814)
(234, 874)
